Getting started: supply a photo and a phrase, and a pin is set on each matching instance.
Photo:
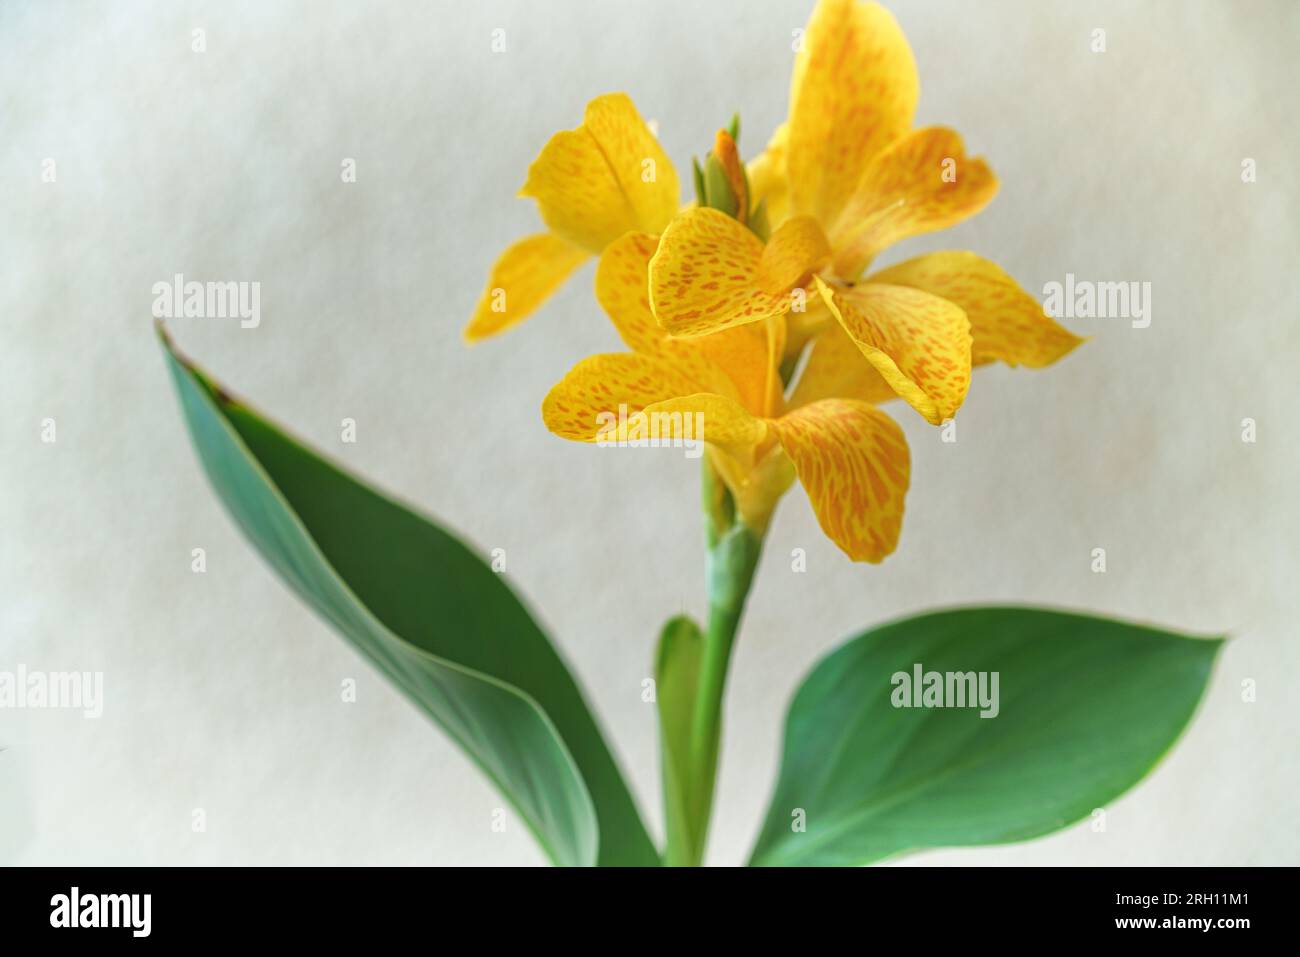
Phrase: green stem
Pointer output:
(734, 550)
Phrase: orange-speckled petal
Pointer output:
(594, 183)
(922, 183)
(726, 365)
(704, 277)
(1006, 323)
(853, 93)
(600, 399)
(853, 461)
(837, 369)
(919, 343)
(521, 280)
(623, 290)
(797, 248)
(724, 422)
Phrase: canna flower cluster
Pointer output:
(754, 310)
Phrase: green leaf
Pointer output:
(431, 616)
(677, 673)
(1086, 707)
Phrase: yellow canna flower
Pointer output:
(707, 309)
(592, 184)
(845, 177)
(849, 455)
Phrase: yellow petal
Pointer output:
(767, 179)
(704, 278)
(854, 463)
(598, 385)
(837, 369)
(919, 343)
(725, 423)
(521, 280)
(797, 248)
(922, 183)
(1006, 323)
(742, 354)
(600, 398)
(594, 183)
(730, 362)
(623, 290)
(854, 92)
(805, 321)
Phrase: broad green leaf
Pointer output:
(1086, 707)
(677, 672)
(431, 616)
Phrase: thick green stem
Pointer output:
(731, 564)
(733, 554)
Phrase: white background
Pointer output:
(223, 691)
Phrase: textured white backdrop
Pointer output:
(222, 690)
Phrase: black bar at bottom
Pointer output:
(335, 907)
